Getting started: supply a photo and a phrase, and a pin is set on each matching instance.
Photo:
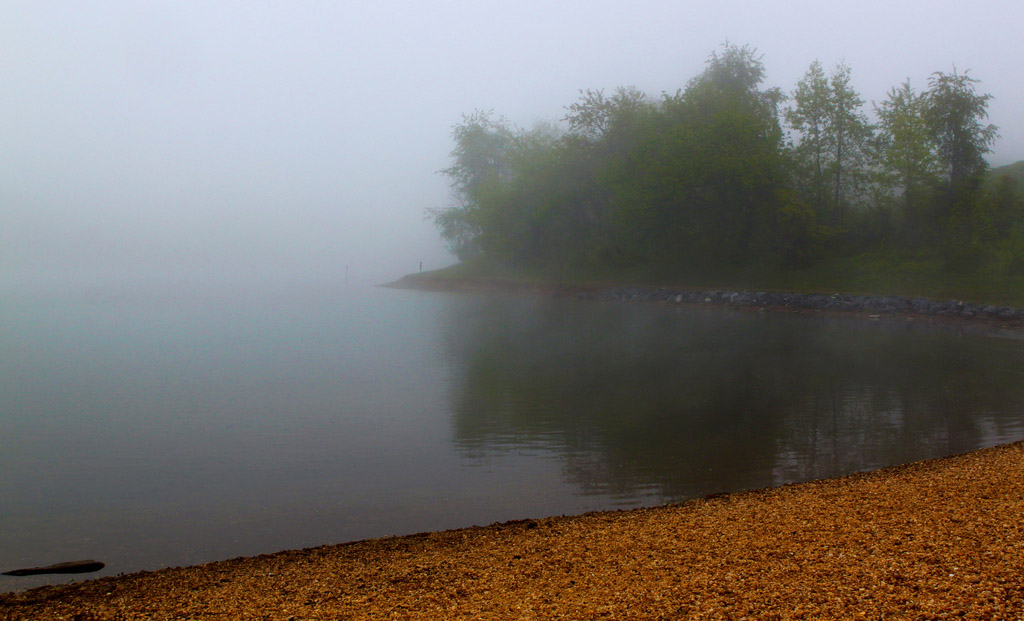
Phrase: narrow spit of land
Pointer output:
(874, 306)
(935, 539)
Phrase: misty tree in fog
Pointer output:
(907, 154)
(702, 177)
(851, 135)
(739, 70)
(809, 117)
(482, 144)
(833, 149)
(707, 185)
(696, 178)
(602, 132)
(590, 118)
(479, 163)
(595, 118)
(955, 115)
(511, 190)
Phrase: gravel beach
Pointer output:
(936, 539)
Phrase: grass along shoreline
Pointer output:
(469, 278)
(870, 275)
(926, 540)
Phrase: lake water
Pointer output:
(157, 425)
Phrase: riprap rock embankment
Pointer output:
(881, 305)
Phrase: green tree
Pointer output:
(591, 116)
(908, 165)
(850, 136)
(704, 186)
(809, 115)
(482, 147)
(543, 220)
(1002, 215)
(907, 152)
(603, 132)
(832, 151)
(955, 114)
(480, 165)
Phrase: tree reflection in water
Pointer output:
(656, 401)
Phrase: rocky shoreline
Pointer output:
(781, 301)
(880, 305)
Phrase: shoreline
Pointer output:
(920, 540)
(869, 306)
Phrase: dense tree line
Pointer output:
(727, 171)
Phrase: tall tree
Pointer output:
(907, 153)
(590, 117)
(705, 184)
(833, 143)
(809, 115)
(850, 135)
(739, 71)
(603, 130)
(482, 147)
(955, 114)
(607, 122)
(480, 163)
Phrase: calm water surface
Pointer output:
(158, 425)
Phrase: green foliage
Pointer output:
(480, 164)
(598, 120)
(702, 185)
(908, 165)
(801, 241)
(850, 135)
(907, 153)
(1013, 171)
(809, 116)
(458, 227)
(954, 113)
(702, 179)
(999, 219)
(832, 150)
(482, 145)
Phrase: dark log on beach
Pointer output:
(72, 567)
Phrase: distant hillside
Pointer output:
(1010, 170)
(1015, 171)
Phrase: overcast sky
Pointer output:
(300, 137)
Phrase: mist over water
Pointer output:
(196, 200)
(300, 138)
(157, 422)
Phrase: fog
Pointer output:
(301, 139)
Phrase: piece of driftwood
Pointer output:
(71, 567)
